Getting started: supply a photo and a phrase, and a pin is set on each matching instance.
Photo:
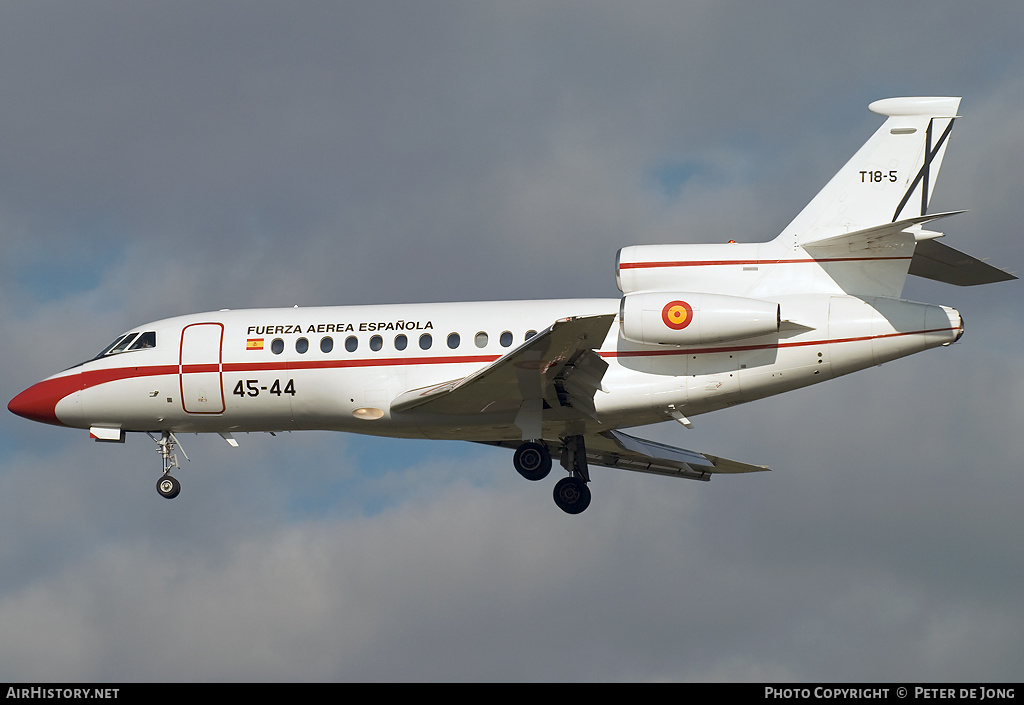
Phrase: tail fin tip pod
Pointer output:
(930, 106)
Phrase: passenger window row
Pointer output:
(400, 342)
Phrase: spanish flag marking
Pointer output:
(254, 344)
(677, 315)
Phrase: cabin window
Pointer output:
(326, 344)
(351, 343)
(376, 343)
(277, 346)
(505, 339)
(401, 342)
(301, 346)
(480, 340)
(453, 340)
(426, 341)
(530, 334)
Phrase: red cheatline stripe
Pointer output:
(91, 378)
(96, 377)
(194, 369)
(722, 262)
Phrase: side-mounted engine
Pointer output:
(677, 318)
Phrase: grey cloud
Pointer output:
(254, 154)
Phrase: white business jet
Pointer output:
(698, 328)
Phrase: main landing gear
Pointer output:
(167, 486)
(532, 460)
(572, 495)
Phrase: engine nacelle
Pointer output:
(674, 318)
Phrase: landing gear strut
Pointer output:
(167, 486)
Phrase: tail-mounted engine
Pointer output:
(674, 318)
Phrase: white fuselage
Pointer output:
(339, 368)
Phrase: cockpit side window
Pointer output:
(144, 341)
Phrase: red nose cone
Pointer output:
(39, 402)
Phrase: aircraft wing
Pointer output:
(557, 368)
(615, 449)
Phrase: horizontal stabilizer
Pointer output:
(939, 262)
(868, 237)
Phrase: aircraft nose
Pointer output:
(39, 402)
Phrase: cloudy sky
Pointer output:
(166, 158)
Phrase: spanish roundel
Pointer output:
(677, 314)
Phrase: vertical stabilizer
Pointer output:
(890, 178)
(860, 236)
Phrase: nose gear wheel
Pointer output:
(167, 485)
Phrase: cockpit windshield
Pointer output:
(131, 341)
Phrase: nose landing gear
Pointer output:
(167, 486)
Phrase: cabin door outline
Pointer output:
(201, 368)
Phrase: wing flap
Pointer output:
(616, 449)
